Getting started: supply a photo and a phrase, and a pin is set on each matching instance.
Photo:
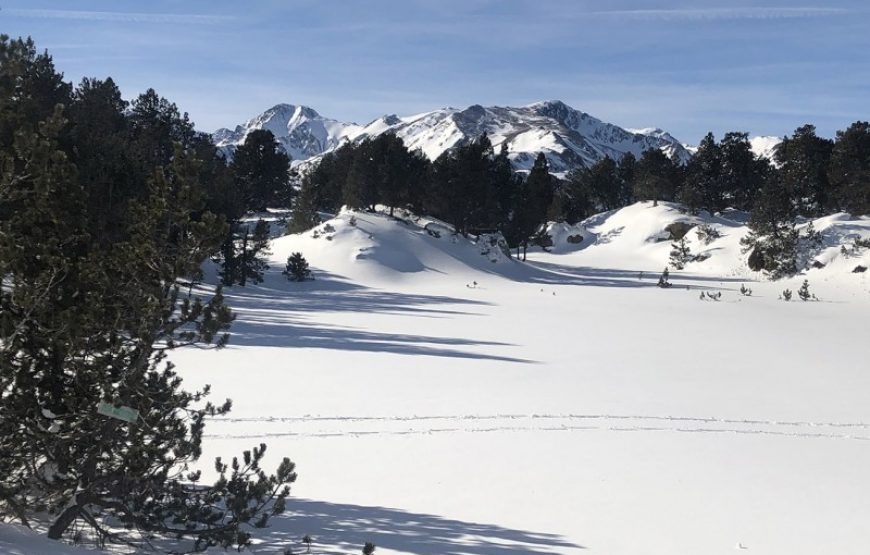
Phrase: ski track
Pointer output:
(362, 426)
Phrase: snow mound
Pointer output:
(377, 247)
(640, 237)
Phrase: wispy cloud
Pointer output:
(715, 14)
(121, 17)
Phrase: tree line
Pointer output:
(473, 188)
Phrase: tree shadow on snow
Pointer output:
(278, 313)
(338, 529)
(550, 273)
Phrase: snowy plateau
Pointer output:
(441, 398)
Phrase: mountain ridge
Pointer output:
(570, 138)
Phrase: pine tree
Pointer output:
(663, 279)
(702, 187)
(772, 240)
(254, 246)
(297, 268)
(656, 177)
(804, 159)
(804, 291)
(680, 254)
(84, 321)
(304, 215)
(849, 171)
(261, 170)
(743, 174)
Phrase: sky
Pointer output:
(687, 67)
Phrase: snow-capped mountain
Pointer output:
(301, 131)
(764, 147)
(568, 137)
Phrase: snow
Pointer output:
(18, 540)
(437, 402)
(764, 147)
(570, 138)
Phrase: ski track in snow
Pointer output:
(360, 426)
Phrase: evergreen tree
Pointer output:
(849, 171)
(743, 174)
(261, 171)
(656, 177)
(579, 203)
(536, 197)
(304, 215)
(772, 240)
(462, 188)
(663, 279)
(680, 254)
(253, 246)
(604, 186)
(804, 291)
(85, 321)
(703, 187)
(625, 173)
(804, 159)
(297, 268)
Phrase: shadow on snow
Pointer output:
(337, 529)
(276, 314)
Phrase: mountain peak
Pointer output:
(568, 137)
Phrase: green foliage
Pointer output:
(804, 159)
(663, 279)
(261, 171)
(849, 171)
(297, 268)
(772, 240)
(656, 177)
(804, 291)
(104, 226)
(680, 254)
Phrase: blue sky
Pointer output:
(688, 67)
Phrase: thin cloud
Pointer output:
(716, 14)
(118, 17)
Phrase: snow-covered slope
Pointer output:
(300, 130)
(764, 147)
(640, 236)
(437, 402)
(569, 138)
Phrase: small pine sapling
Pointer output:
(297, 268)
(745, 291)
(680, 254)
(368, 548)
(307, 540)
(663, 279)
(804, 291)
(786, 295)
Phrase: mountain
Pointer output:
(301, 131)
(764, 147)
(568, 137)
